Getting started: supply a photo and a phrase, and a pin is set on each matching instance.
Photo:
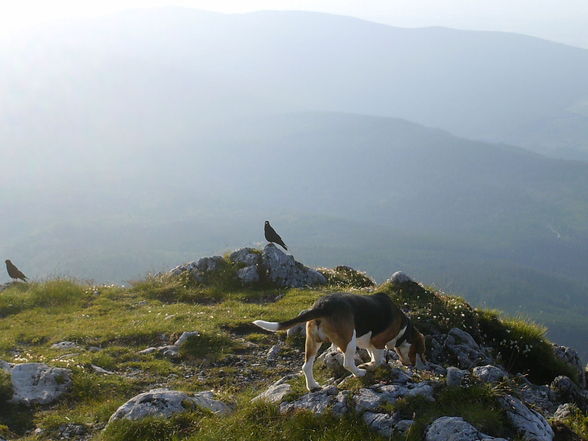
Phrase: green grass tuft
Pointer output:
(346, 277)
(523, 347)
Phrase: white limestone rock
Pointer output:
(248, 275)
(571, 357)
(275, 393)
(65, 345)
(165, 403)
(185, 337)
(455, 376)
(529, 424)
(37, 383)
(247, 256)
(284, 271)
(381, 423)
(327, 399)
(489, 373)
(465, 349)
(455, 429)
(398, 278)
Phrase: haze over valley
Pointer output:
(137, 141)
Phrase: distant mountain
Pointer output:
(138, 141)
(160, 65)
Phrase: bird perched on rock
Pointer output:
(272, 236)
(14, 272)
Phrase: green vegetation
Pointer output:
(112, 324)
(346, 277)
(476, 404)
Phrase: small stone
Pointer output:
(275, 394)
(65, 345)
(381, 423)
(272, 353)
(399, 277)
(185, 337)
(489, 373)
(455, 376)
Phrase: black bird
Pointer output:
(14, 272)
(272, 236)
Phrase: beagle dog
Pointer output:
(349, 321)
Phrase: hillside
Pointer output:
(504, 227)
(118, 342)
(170, 69)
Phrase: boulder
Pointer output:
(246, 256)
(165, 403)
(455, 429)
(284, 271)
(566, 391)
(370, 399)
(465, 349)
(541, 397)
(529, 424)
(570, 357)
(489, 373)
(455, 376)
(381, 423)
(199, 269)
(248, 275)
(275, 393)
(398, 278)
(37, 383)
(328, 399)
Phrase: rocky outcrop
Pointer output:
(465, 349)
(199, 269)
(328, 399)
(165, 403)
(37, 383)
(566, 391)
(455, 429)
(283, 271)
(529, 424)
(571, 357)
(251, 266)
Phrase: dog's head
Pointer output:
(415, 353)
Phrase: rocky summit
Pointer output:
(176, 357)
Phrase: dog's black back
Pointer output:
(370, 313)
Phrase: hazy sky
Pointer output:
(560, 20)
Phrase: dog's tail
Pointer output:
(305, 316)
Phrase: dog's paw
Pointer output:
(368, 366)
(315, 388)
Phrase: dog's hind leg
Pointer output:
(312, 345)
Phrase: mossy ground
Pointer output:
(112, 324)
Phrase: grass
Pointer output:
(476, 404)
(522, 347)
(111, 325)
